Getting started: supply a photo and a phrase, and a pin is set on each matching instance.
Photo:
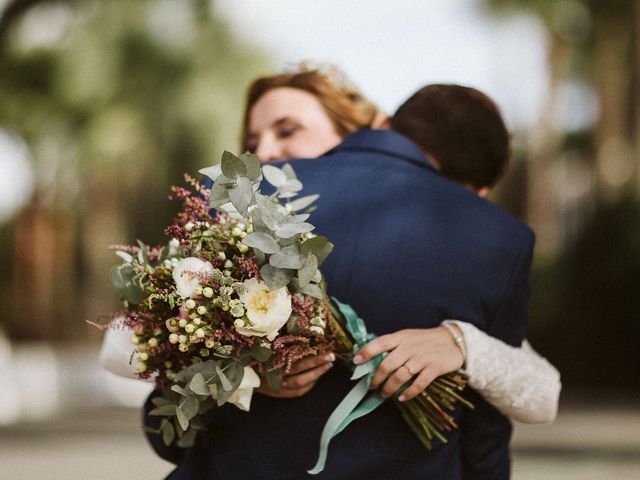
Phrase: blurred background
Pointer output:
(105, 103)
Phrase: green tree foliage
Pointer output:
(115, 100)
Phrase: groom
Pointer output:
(412, 248)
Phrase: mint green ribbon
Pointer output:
(354, 405)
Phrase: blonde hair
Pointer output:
(343, 103)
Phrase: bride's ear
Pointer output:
(381, 121)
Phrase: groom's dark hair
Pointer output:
(460, 129)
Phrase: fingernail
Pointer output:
(327, 366)
(330, 358)
(402, 398)
(357, 359)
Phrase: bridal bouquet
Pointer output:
(236, 295)
(233, 296)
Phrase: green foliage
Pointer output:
(284, 250)
(191, 396)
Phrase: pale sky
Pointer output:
(390, 48)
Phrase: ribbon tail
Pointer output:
(372, 402)
(335, 422)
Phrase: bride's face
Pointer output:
(289, 123)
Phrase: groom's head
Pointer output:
(460, 129)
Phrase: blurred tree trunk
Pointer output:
(542, 149)
(613, 82)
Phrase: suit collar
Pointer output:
(386, 142)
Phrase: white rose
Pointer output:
(185, 283)
(267, 310)
(241, 398)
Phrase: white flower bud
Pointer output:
(200, 333)
(243, 234)
(167, 263)
(182, 338)
(201, 310)
(183, 347)
(209, 343)
(236, 232)
(153, 342)
(173, 338)
(182, 322)
(144, 356)
(189, 328)
(207, 292)
(238, 323)
(141, 367)
(157, 331)
(197, 321)
(190, 304)
(135, 340)
(228, 264)
(198, 291)
(221, 256)
(189, 226)
(316, 329)
(243, 248)
(204, 352)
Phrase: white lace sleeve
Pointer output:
(518, 382)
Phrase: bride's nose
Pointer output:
(269, 150)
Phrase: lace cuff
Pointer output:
(518, 382)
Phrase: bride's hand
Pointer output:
(421, 354)
(302, 377)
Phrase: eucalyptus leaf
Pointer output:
(290, 229)
(287, 257)
(188, 439)
(124, 256)
(189, 407)
(306, 273)
(297, 218)
(274, 175)
(218, 196)
(288, 170)
(269, 213)
(183, 421)
(121, 275)
(303, 202)
(313, 290)
(242, 195)
(224, 381)
(289, 189)
(133, 293)
(252, 162)
(262, 241)
(198, 385)
(168, 433)
(213, 172)
(232, 166)
(163, 411)
(207, 369)
(178, 389)
(276, 278)
(320, 246)
(160, 401)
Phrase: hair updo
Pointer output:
(347, 108)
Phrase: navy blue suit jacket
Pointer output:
(411, 249)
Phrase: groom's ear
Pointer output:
(381, 121)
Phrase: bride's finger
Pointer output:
(387, 367)
(377, 346)
(422, 381)
(309, 363)
(401, 376)
(302, 380)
